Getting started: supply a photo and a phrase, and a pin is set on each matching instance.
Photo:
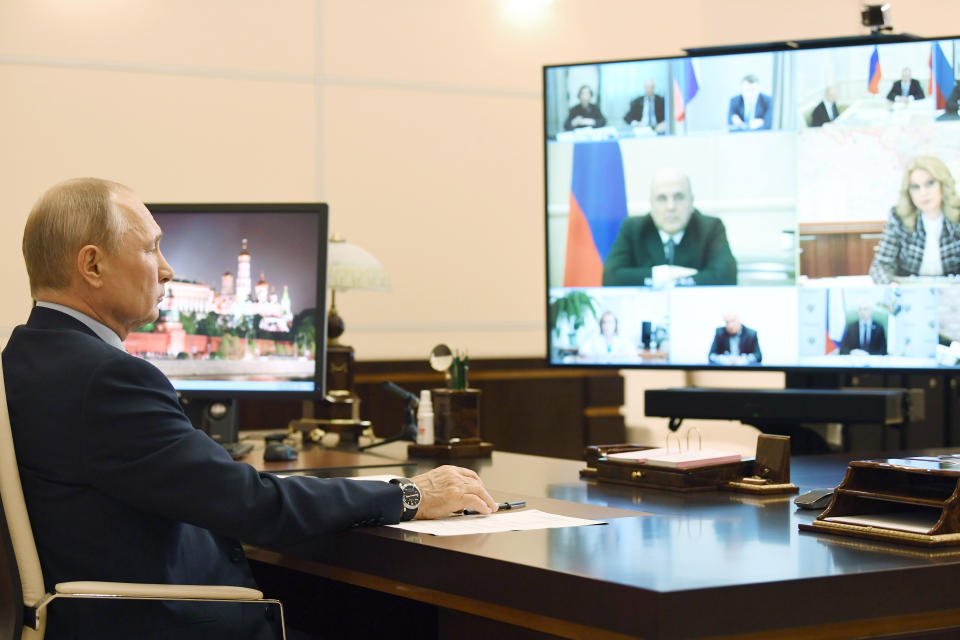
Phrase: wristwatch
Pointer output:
(411, 498)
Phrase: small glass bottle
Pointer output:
(425, 418)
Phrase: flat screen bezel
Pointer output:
(321, 210)
(879, 39)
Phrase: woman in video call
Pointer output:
(584, 113)
(607, 344)
(922, 234)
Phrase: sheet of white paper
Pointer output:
(523, 520)
(640, 456)
(911, 521)
(381, 478)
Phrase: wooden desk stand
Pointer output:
(339, 412)
(768, 473)
(456, 427)
(771, 468)
(911, 500)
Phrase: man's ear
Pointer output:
(90, 265)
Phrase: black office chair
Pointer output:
(23, 599)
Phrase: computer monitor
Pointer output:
(245, 313)
(764, 207)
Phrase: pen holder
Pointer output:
(456, 415)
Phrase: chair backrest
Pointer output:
(11, 597)
(16, 519)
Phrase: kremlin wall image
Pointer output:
(245, 329)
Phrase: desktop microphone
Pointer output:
(408, 431)
(402, 393)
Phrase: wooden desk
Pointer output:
(689, 565)
(315, 458)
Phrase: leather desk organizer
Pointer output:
(906, 500)
(768, 473)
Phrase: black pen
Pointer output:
(501, 506)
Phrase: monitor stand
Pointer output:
(217, 417)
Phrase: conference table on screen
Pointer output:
(665, 564)
(878, 110)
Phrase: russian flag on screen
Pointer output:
(685, 86)
(836, 319)
(942, 73)
(873, 86)
(598, 204)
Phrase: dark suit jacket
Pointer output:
(592, 111)
(748, 342)
(120, 486)
(897, 90)
(953, 100)
(763, 110)
(851, 339)
(638, 249)
(636, 110)
(820, 116)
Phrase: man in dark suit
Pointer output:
(864, 335)
(905, 89)
(674, 244)
(119, 486)
(647, 110)
(750, 110)
(827, 110)
(735, 343)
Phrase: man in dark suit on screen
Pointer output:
(906, 89)
(750, 110)
(119, 486)
(647, 110)
(673, 244)
(864, 335)
(735, 343)
(827, 110)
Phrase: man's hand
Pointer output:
(447, 489)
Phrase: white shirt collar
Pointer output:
(104, 332)
(664, 236)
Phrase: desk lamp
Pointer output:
(348, 268)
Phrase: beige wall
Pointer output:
(418, 121)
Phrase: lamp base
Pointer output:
(340, 367)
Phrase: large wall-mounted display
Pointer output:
(762, 208)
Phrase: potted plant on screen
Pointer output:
(570, 312)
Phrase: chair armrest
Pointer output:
(186, 591)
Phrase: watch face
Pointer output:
(411, 496)
(411, 500)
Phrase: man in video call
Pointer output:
(750, 110)
(647, 110)
(673, 244)
(827, 110)
(118, 483)
(735, 343)
(864, 335)
(906, 88)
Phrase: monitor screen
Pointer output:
(244, 313)
(762, 208)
